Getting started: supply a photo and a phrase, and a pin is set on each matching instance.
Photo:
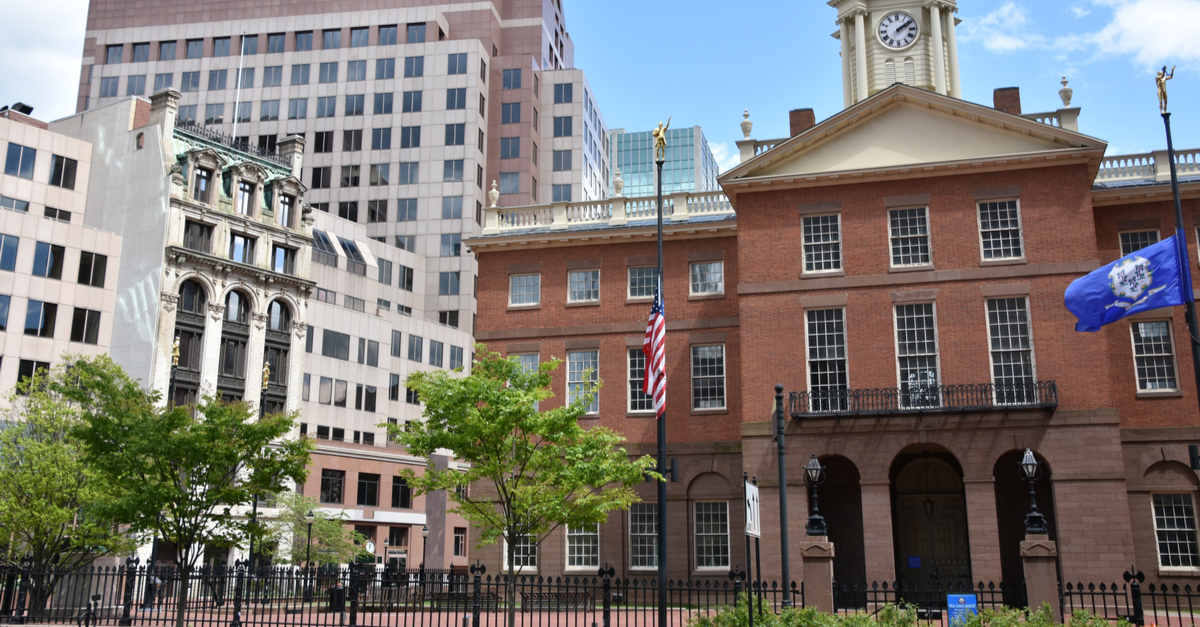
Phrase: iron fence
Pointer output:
(931, 600)
(236, 596)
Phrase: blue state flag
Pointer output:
(1151, 278)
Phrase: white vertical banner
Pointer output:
(753, 521)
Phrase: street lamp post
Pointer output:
(814, 475)
(307, 557)
(1031, 471)
(424, 546)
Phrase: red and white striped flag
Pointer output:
(654, 346)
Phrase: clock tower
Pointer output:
(897, 41)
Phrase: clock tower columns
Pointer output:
(897, 41)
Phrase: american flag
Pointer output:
(654, 346)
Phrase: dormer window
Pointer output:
(245, 197)
(283, 215)
(202, 189)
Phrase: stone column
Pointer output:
(680, 212)
(295, 378)
(982, 528)
(847, 97)
(1039, 555)
(877, 530)
(256, 346)
(952, 46)
(860, 56)
(211, 361)
(817, 554)
(939, 57)
(161, 366)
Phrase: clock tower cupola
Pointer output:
(897, 41)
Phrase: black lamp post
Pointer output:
(814, 475)
(307, 557)
(424, 547)
(1031, 471)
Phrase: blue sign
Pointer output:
(914, 562)
(959, 606)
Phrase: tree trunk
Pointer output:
(510, 583)
(185, 570)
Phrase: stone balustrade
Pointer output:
(1146, 166)
(616, 211)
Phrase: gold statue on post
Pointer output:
(266, 374)
(660, 140)
(175, 352)
(1160, 80)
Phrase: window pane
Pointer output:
(712, 535)
(1175, 528)
(822, 243)
(1000, 230)
(916, 348)
(1154, 356)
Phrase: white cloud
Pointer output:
(41, 44)
(1079, 10)
(1007, 29)
(1153, 32)
(726, 159)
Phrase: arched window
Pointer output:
(141, 141)
(237, 308)
(279, 316)
(192, 297)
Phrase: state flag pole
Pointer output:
(662, 431)
(1181, 241)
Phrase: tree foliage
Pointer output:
(50, 500)
(180, 472)
(332, 541)
(533, 471)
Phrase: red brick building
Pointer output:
(906, 288)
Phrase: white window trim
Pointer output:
(988, 342)
(1154, 526)
(629, 531)
(696, 545)
(928, 237)
(692, 377)
(567, 552)
(1157, 235)
(595, 377)
(628, 293)
(590, 300)
(1020, 233)
(937, 341)
(841, 250)
(520, 570)
(690, 285)
(510, 290)
(1174, 358)
(628, 377)
(846, 336)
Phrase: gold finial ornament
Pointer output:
(660, 140)
(266, 374)
(175, 352)
(1160, 80)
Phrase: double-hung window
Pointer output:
(1154, 356)
(917, 355)
(1175, 530)
(1011, 345)
(708, 277)
(642, 282)
(708, 377)
(583, 546)
(582, 372)
(643, 536)
(909, 231)
(1133, 241)
(639, 401)
(525, 549)
(822, 243)
(826, 351)
(1000, 230)
(583, 286)
(524, 289)
(712, 535)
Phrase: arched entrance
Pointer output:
(1012, 503)
(841, 505)
(929, 518)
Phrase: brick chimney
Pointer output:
(1007, 99)
(801, 120)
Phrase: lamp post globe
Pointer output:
(814, 475)
(1031, 470)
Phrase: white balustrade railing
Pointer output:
(614, 211)
(589, 212)
(712, 202)
(762, 146)
(528, 218)
(1127, 168)
(1187, 162)
(1052, 118)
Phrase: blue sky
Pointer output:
(703, 62)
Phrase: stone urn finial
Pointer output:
(618, 183)
(494, 195)
(746, 123)
(1065, 93)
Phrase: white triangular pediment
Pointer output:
(908, 135)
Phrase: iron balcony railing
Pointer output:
(922, 398)
(218, 137)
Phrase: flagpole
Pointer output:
(662, 433)
(1189, 302)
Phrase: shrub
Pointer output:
(891, 615)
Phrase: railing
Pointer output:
(922, 398)
(1127, 168)
(763, 145)
(1106, 600)
(929, 598)
(1052, 118)
(614, 211)
(218, 137)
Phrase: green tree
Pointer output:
(191, 464)
(534, 471)
(48, 497)
(332, 541)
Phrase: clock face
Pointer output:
(898, 30)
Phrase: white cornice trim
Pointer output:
(397, 458)
(558, 239)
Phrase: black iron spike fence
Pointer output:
(930, 599)
(235, 596)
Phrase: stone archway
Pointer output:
(929, 519)
(1012, 503)
(841, 505)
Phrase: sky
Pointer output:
(704, 62)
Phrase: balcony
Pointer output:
(922, 399)
(613, 212)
